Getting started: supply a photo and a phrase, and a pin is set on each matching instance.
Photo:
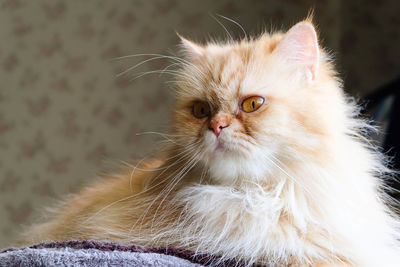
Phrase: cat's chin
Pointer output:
(228, 168)
(228, 163)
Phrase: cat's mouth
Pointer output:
(219, 146)
(223, 144)
(228, 146)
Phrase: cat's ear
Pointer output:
(191, 49)
(300, 46)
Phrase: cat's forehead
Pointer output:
(231, 70)
(225, 73)
(228, 69)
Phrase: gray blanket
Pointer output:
(89, 257)
(94, 253)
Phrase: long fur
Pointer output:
(296, 183)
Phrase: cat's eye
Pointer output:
(201, 110)
(252, 103)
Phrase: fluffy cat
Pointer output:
(266, 163)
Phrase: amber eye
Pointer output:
(252, 103)
(201, 109)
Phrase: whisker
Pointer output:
(176, 180)
(176, 139)
(144, 214)
(204, 172)
(169, 66)
(178, 61)
(133, 171)
(149, 72)
(176, 58)
(162, 168)
(106, 207)
(288, 175)
(162, 134)
(154, 55)
(137, 65)
(231, 20)
(222, 25)
(171, 72)
(185, 152)
(141, 218)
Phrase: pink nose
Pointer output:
(218, 123)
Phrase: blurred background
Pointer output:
(66, 115)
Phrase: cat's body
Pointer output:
(287, 180)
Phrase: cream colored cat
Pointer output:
(266, 163)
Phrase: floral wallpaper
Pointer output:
(66, 115)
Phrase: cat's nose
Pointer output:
(219, 122)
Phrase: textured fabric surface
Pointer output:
(88, 258)
(65, 116)
(95, 253)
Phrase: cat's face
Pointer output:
(243, 108)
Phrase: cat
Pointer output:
(267, 162)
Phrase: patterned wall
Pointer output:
(65, 116)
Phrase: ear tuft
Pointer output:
(191, 49)
(300, 46)
(310, 16)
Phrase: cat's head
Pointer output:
(244, 108)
